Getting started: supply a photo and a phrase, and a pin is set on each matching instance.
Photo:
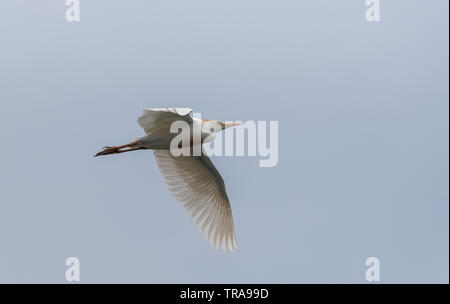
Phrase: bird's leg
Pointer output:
(128, 150)
(119, 149)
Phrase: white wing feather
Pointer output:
(197, 184)
(163, 117)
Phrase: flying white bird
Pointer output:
(193, 180)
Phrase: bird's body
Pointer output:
(193, 180)
(160, 137)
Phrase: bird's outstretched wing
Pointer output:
(157, 118)
(197, 184)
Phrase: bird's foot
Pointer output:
(120, 149)
(108, 150)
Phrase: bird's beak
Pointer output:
(233, 124)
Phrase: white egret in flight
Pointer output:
(193, 180)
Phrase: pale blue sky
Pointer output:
(363, 139)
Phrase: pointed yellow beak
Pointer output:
(233, 124)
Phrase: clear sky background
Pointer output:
(363, 139)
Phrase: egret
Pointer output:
(193, 180)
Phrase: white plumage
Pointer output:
(193, 180)
(156, 118)
(197, 184)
